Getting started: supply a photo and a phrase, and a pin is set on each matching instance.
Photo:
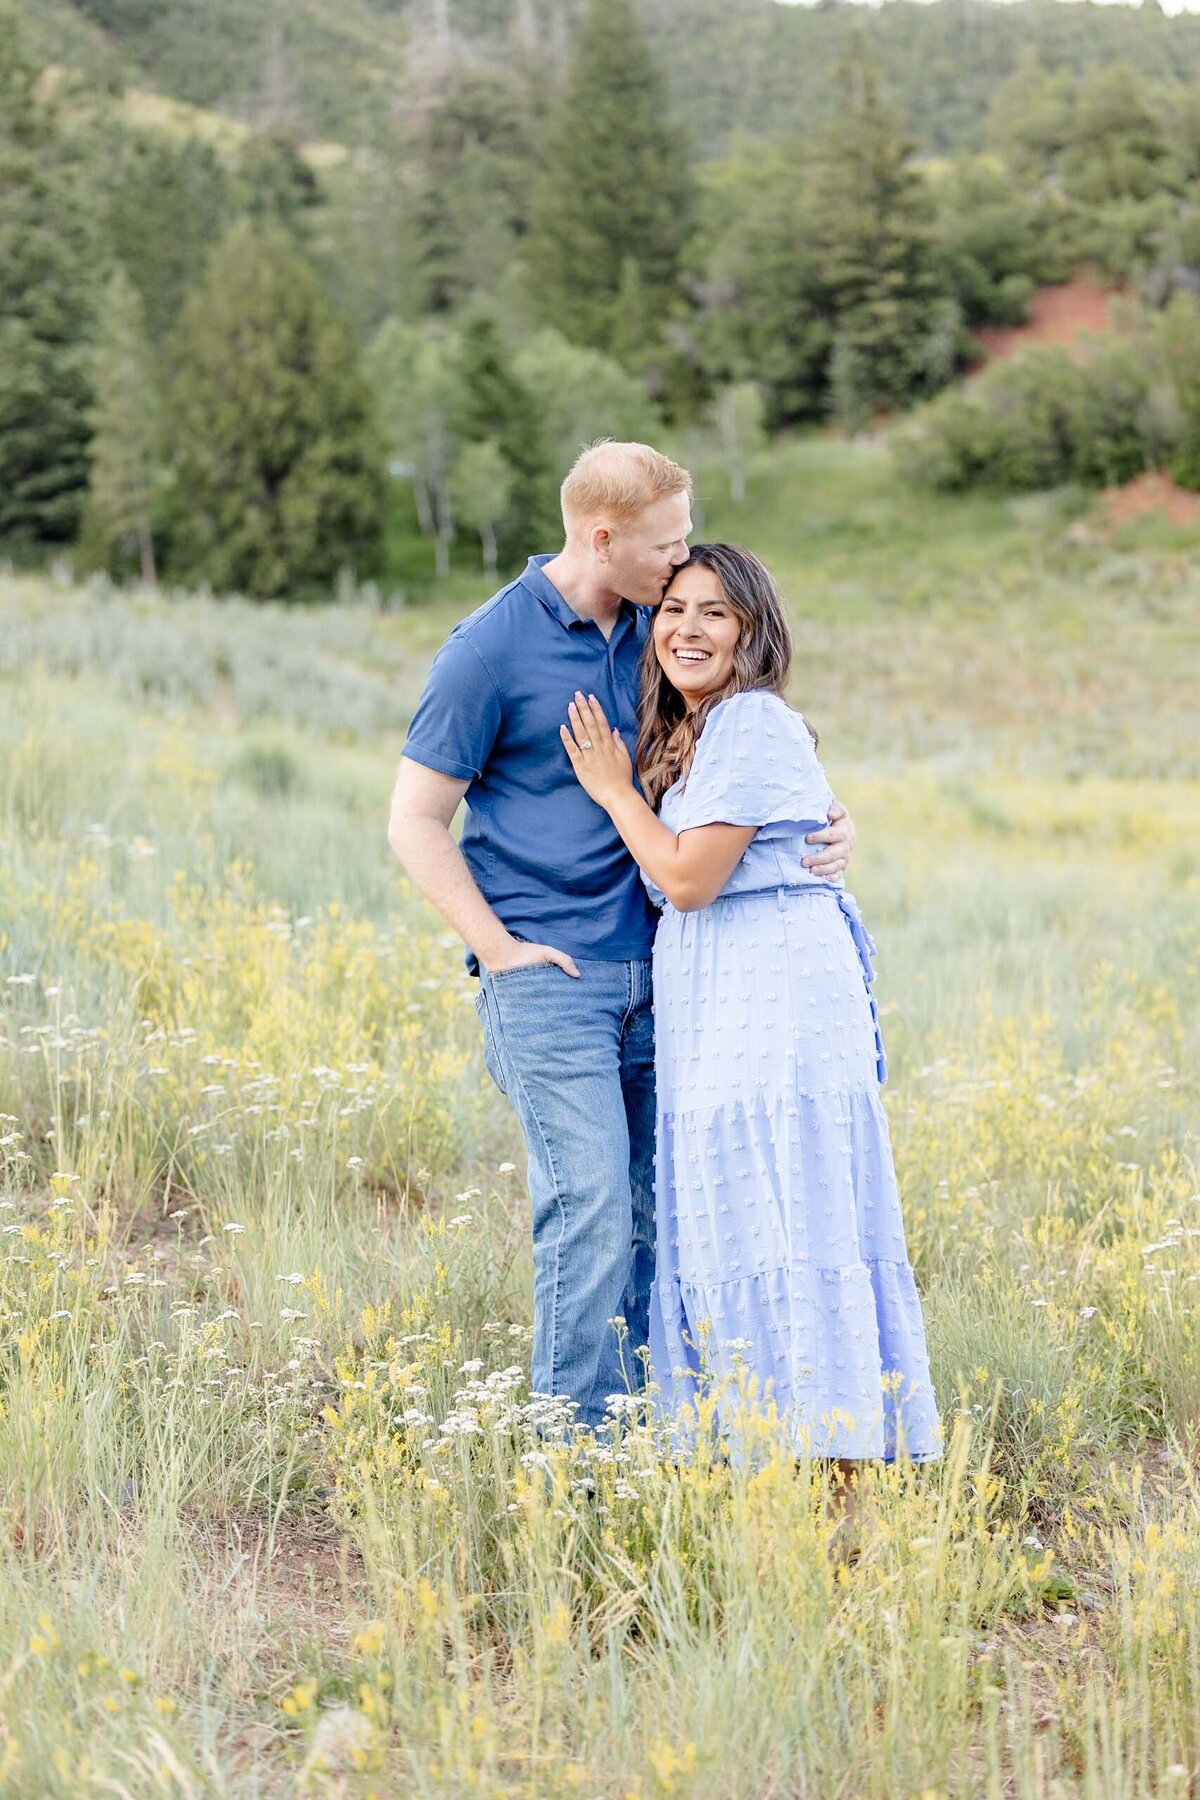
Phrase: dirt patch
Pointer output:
(305, 1575)
(315, 1573)
(1057, 315)
(1148, 494)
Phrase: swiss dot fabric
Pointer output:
(781, 1253)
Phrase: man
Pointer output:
(551, 905)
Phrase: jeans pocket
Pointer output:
(491, 1060)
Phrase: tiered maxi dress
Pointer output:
(781, 1259)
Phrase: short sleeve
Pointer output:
(458, 715)
(755, 764)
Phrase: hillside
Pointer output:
(332, 66)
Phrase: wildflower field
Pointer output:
(278, 1514)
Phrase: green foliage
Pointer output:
(327, 56)
(273, 181)
(756, 66)
(999, 240)
(613, 196)
(1116, 149)
(758, 277)
(873, 228)
(482, 486)
(127, 442)
(494, 407)
(364, 237)
(1041, 419)
(580, 395)
(738, 415)
(413, 374)
(475, 170)
(165, 206)
(1029, 121)
(1106, 151)
(47, 271)
(536, 161)
(1126, 237)
(1177, 337)
(277, 462)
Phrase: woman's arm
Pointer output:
(691, 869)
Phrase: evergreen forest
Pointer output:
(295, 297)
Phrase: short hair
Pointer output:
(619, 480)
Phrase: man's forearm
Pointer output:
(437, 868)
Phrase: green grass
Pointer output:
(277, 1512)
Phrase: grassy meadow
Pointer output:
(278, 1514)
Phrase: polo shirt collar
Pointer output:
(553, 601)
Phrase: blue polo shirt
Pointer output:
(546, 858)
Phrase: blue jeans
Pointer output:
(576, 1060)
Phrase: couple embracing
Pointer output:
(711, 1177)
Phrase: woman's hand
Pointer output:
(597, 751)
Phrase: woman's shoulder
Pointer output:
(758, 710)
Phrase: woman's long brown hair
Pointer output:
(667, 731)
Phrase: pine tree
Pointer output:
(873, 233)
(761, 315)
(364, 233)
(278, 464)
(47, 262)
(476, 170)
(1030, 119)
(127, 426)
(167, 205)
(494, 405)
(1117, 149)
(614, 186)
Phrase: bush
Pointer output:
(1046, 418)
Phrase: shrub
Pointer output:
(1045, 418)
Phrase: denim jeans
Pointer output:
(576, 1060)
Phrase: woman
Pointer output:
(780, 1241)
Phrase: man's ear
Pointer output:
(601, 542)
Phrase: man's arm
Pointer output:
(424, 802)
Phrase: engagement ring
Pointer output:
(586, 744)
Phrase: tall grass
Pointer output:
(278, 1513)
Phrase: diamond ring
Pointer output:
(586, 744)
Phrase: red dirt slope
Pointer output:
(1057, 315)
(1150, 493)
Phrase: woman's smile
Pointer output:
(696, 632)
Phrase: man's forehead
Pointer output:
(668, 518)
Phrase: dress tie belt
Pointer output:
(865, 946)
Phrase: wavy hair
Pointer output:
(667, 731)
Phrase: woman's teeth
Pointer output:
(692, 656)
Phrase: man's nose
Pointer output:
(679, 555)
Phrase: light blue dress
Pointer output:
(780, 1241)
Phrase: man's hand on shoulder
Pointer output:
(838, 839)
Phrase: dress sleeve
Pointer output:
(755, 765)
